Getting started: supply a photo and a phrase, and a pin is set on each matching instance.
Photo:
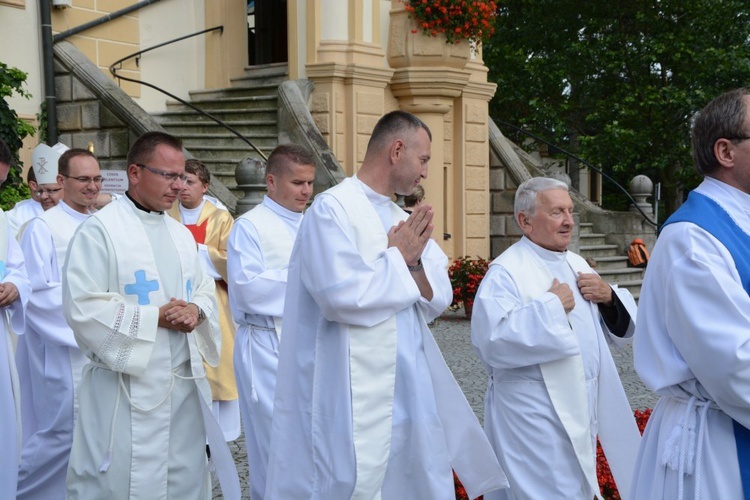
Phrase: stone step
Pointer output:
(260, 89)
(633, 286)
(233, 155)
(245, 127)
(590, 239)
(227, 103)
(585, 228)
(228, 140)
(262, 73)
(623, 274)
(227, 115)
(615, 262)
(598, 251)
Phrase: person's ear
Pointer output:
(523, 220)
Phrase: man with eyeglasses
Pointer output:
(14, 293)
(143, 310)
(692, 339)
(50, 360)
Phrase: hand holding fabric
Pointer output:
(411, 236)
(594, 288)
(564, 293)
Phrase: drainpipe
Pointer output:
(50, 99)
(48, 58)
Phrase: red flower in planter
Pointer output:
(603, 474)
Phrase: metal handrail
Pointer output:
(137, 56)
(584, 162)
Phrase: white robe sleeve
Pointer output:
(15, 272)
(207, 334)
(253, 288)
(107, 329)
(509, 334)
(43, 313)
(694, 320)
(435, 264)
(348, 289)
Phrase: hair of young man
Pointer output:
(527, 192)
(415, 197)
(63, 164)
(723, 117)
(6, 156)
(285, 155)
(392, 125)
(197, 168)
(143, 147)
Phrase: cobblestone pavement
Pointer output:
(452, 333)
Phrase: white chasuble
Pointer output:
(115, 281)
(564, 377)
(365, 406)
(275, 242)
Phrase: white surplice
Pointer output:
(513, 336)
(141, 431)
(351, 308)
(257, 260)
(692, 347)
(21, 213)
(13, 270)
(48, 358)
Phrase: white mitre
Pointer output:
(44, 162)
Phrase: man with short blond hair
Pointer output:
(258, 258)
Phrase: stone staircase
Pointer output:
(612, 267)
(250, 106)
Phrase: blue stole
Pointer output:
(708, 215)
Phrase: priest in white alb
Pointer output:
(143, 311)
(51, 361)
(25, 210)
(365, 405)
(257, 262)
(542, 324)
(14, 294)
(692, 344)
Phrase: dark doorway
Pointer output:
(266, 32)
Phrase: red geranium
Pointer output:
(603, 474)
(472, 20)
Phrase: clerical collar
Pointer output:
(280, 210)
(141, 207)
(543, 253)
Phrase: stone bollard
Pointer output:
(641, 188)
(250, 175)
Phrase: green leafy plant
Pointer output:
(12, 131)
(457, 19)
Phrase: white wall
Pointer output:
(21, 48)
(179, 67)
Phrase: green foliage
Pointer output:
(618, 82)
(9, 195)
(12, 129)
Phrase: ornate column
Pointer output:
(429, 76)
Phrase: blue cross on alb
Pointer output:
(3, 268)
(142, 287)
(188, 290)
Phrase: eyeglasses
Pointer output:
(48, 192)
(170, 176)
(738, 138)
(86, 180)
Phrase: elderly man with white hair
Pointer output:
(541, 324)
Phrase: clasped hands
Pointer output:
(179, 315)
(8, 293)
(410, 236)
(591, 286)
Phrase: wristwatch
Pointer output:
(201, 314)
